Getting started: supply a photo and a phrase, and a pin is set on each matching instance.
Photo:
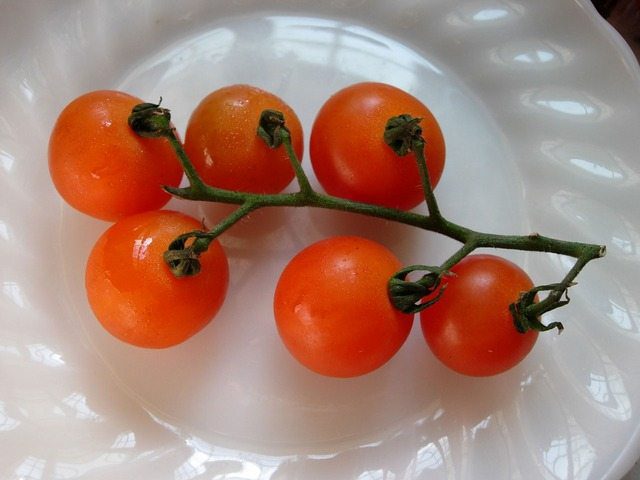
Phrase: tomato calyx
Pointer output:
(271, 128)
(402, 133)
(150, 120)
(414, 296)
(527, 311)
(182, 259)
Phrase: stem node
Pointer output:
(181, 258)
(413, 296)
(402, 132)
(270, 127)
(150, 120)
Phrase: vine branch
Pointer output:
(404, 135)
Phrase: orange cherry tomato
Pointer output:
(133, 293)
(470, 329)
(101, 167)
(222, 142)
(332, 309)
(350, 158)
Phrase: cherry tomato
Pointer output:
(332, 309)
(222, 142)
(350, 158)
(101, 167)
(133, 293)
(470, 329)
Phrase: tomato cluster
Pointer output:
(331, 304)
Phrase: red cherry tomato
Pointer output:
(133, 293)
(470, 329)
(349, 155)
(332, 309)
(101, 167)
(222, 142)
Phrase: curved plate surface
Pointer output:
(539, 102)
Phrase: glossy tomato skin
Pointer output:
(470, 329)
(350, 158)
(101, 167)
(133, 293)
(332, 309)
(222, 143)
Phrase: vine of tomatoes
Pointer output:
(343, 306)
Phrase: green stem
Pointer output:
(471, 239)
(231, 219)
(301, 177)
(430, 198)
(468, 247)
(531, 311)
(183, 259)
(195, 182)
(404, 135)
(307, 197)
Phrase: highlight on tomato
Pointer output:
(351, 159)
(222, 141)
(470, 328)
(332, 310)
(101, 167)
(134, 294)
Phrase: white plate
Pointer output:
(540, 105)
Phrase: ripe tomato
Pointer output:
(222, 142)
(349, 155)
(133, 293)
(332, 309)
(470, 329)
(101, 167)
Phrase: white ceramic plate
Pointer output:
(540, 105)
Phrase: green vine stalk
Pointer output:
(404, 135)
